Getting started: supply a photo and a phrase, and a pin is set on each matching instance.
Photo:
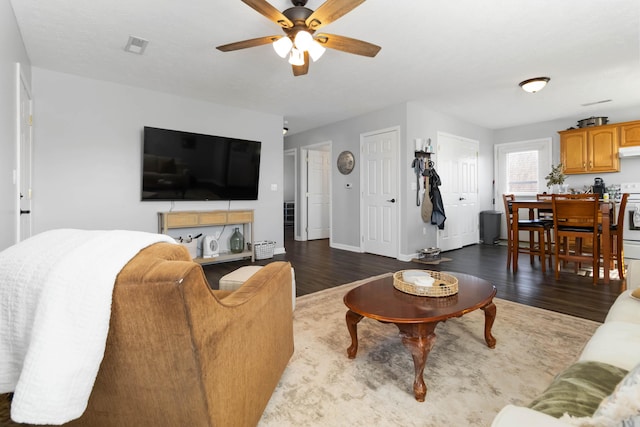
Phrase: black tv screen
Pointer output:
(190, 166)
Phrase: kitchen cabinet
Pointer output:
(630, 134)
(201, 219)
(590, 150)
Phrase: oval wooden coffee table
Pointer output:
(417, 317)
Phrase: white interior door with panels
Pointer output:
(457, 165)
(25, 154)
(520, 168)
(379, 183)
(318, 195)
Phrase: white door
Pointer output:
(318, 196)
(379, 209)
(457, 166)
(25, 153)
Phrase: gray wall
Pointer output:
(414, 121)
(345, 135)
(629, 167)
(13, 52)
(88, 145)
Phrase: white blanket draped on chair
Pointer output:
(55, 306)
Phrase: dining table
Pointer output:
(606, 208)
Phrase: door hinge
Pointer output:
(30, 119)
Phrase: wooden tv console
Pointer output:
(196, 219)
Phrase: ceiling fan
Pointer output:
(299, 24)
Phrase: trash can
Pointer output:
(490, 227)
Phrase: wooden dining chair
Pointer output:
(535, 227)
(546, 216)
(616, 236)
(575, 217)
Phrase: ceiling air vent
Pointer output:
(136, 45)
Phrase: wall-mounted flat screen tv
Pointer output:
(190, 166)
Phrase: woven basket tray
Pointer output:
(443, 286)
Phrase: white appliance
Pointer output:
(629, 151)
(210, 247)
(631, 234)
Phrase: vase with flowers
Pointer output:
(556, 178)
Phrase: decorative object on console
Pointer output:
(210, 247)
(236, 242)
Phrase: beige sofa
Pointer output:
(181, 354)
(592, 391)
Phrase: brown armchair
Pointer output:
(181, 354)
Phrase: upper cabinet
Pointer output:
(630, 134)
(590, 150)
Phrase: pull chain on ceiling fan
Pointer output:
(299, 25)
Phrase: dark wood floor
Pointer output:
(317, 267)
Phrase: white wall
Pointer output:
(12, 51)
(88, 145)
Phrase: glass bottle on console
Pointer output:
(236, 243)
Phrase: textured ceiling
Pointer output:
(461, 57)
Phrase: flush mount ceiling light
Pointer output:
(534, 85)
(136, 45)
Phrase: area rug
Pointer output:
(467, 383)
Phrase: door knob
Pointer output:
(461, 198)
(392, 200)
(22, 212)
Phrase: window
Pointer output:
(522, 172)
(520, 168)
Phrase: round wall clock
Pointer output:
(346, 162)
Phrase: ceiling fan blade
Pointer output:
(329, 11)
(347, 44)
(248, 43)
(301, 70)
(273, 14)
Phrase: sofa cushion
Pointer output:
(620, 409)
(579, 389)
(615, 343)
(626, 308)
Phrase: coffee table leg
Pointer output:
(489, 317)
(352, 325)
(419, 340)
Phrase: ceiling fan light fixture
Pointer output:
(534, 85)
(283, 46)
(303, 40)
(316, 50)
(296, 57)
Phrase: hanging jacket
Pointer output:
(437, 216)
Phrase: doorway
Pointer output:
(290, 193)
(379, 202)
(315, 192)
(457, 165)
